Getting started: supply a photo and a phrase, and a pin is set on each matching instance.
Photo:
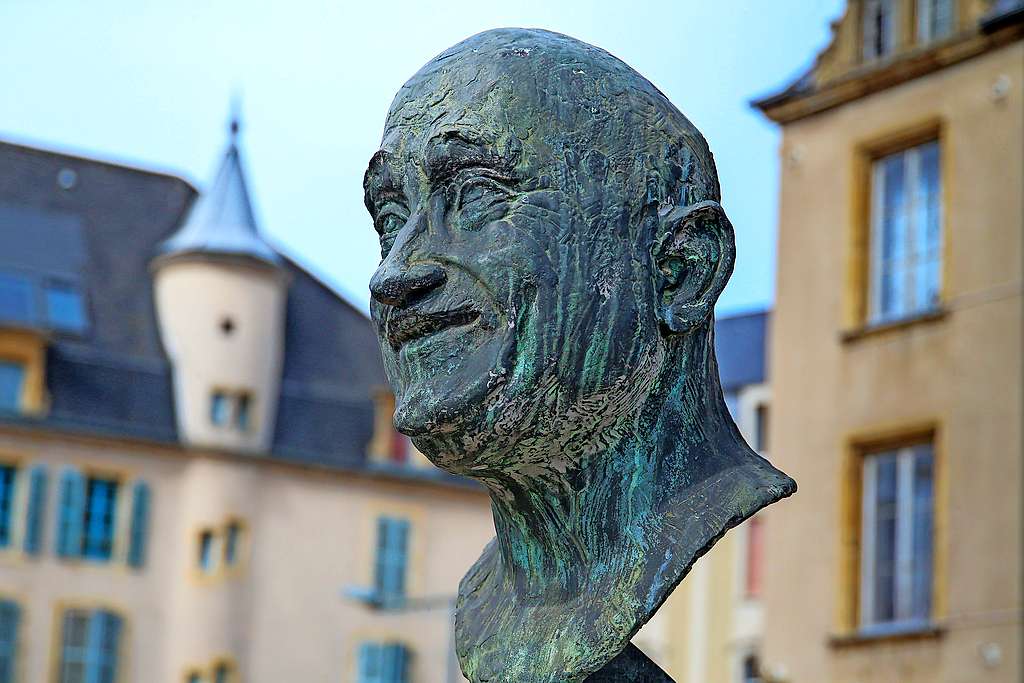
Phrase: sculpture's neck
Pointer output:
(557, 526)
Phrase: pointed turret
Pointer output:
(222, 222)
(220, 296)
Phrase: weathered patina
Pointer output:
(552, 251)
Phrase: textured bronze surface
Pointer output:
(553, 248)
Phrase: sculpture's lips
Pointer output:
(404, 326)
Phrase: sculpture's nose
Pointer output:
(400, 286)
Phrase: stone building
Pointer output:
(710, 629)
(896, 351)
(198, 477)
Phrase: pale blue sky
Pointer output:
(148, 83)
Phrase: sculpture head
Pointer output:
(552, 248)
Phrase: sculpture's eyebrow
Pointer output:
(450, 151)
(378, 178)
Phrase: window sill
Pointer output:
(873, 329)
(887, 634)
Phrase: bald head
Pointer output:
(548, 103)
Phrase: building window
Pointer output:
(896, 548)
(231, 409)
(219, 408)
(223, 673)
(754, 565)
(392, 559)
(207, 558)
(906, 234)
(64, 308)
(12, 379)
(750, 669)
(17, 300)
(232, 543)
(382, 663)
(98, 526)
(194, 677)
(761, 427)
(935, 19)
(879, 28)
(10, 616)
(90, 644)
(7, 479)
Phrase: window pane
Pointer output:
(222, 673)
(923, 533)
(231, 543)
(761, 426)
(755, 550)
(12, 378)
(206, 551)
(751, 669)
(6, 503)
(10, 615)
(219, 408)
(906, 233)
(242, 411)
(74, 646)
(885, 538)
(392, 538)
(98, 538)
(16, 299)
(928, 226)
(64, 307)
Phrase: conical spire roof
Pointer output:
(221, 221)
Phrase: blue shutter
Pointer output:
(36, 509)
(72, 513)
(369, 663)
(393, 663)
(10, 615)
(392, 557)
(139, 531)
(103, 647)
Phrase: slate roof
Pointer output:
(741, 346)
(114, 380)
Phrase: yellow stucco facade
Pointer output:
(281, 612)
(950, 376)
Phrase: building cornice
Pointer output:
(793, 104)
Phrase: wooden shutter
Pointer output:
(10, 615)
(392, 557)
(369, 663)
(33, 541)
(394, 663)
(72, 513)
(139, 531)
(103, 647)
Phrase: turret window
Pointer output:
(231, 409)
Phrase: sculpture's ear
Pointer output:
(694, 258)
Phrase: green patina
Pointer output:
(552, 250)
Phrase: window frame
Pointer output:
(859, 444)
(924, 21)
(893, 42)
(93, 611)
(905, 459)
(856, 316)
(910, 158)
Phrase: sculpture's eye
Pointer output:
(481, 200)
(390, 220)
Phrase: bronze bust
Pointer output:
(553, 248)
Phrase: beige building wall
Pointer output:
(957, 374)
(281, 615)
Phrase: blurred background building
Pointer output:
(896, 351)
(199, 480)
